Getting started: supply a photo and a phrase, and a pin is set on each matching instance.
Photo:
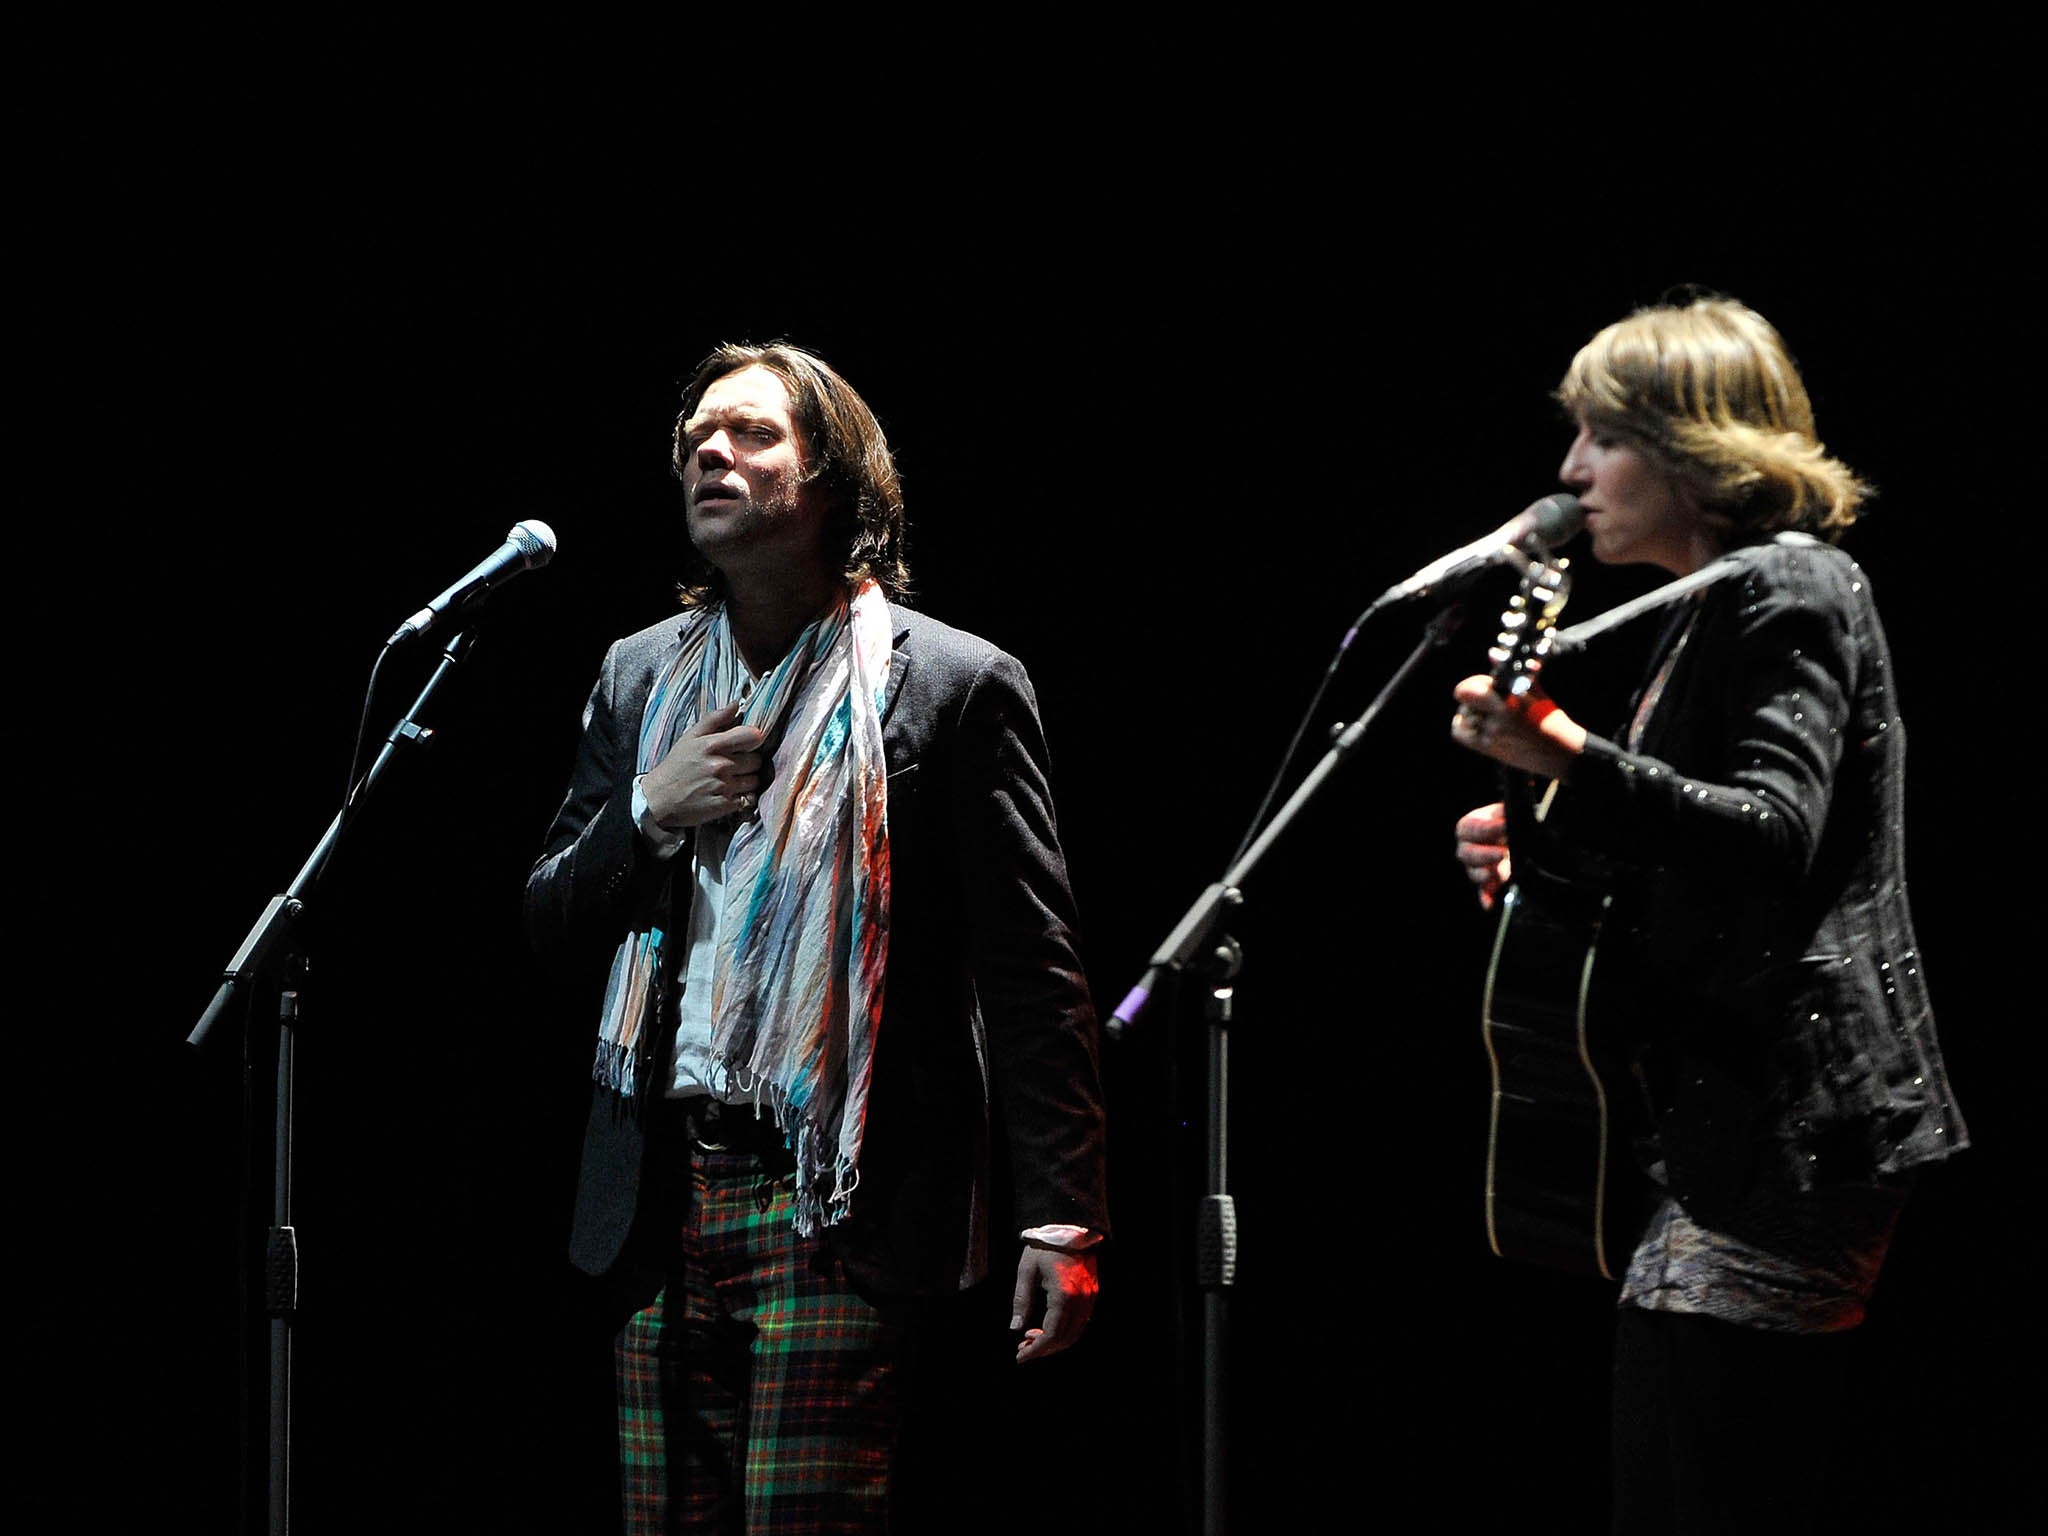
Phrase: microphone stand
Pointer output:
(246, 970)
(1216, 1233)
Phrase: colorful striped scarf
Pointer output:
(796, 986)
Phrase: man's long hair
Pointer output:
(1710, 391)
(844, 452)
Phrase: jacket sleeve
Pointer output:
(595, 871)
(1021, 929)
(1757, 735)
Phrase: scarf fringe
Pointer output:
(824, 1186)
(618, 1068)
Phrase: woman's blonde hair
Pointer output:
(1710, 390)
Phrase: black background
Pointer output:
(1173, 397)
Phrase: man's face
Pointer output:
(742, 468)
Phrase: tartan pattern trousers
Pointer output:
(757, 1393)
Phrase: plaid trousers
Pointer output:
(757, 1393)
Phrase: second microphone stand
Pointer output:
(1194, 944)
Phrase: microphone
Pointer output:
(530, 545)
(1548, 523)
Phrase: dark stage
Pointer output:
(1163, 435)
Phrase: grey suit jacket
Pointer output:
(986, 1104)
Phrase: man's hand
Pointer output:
(1069, 1283)
(712, 770)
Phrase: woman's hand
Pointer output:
(1529, 733)
(1483, 850)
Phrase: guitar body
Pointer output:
(1560, 1190)
(1556, 1193)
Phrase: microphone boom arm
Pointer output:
(285, 909)
(1194, 928)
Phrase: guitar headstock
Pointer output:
(1528, 626)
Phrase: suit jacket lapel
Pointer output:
(899, 663)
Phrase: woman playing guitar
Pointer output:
(1742, 834)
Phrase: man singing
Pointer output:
(846, 1058)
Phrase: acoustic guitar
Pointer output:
(1555, 1195)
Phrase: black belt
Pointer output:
(711, 1125)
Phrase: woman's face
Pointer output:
(1636, 514)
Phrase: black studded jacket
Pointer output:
(1758, 957)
